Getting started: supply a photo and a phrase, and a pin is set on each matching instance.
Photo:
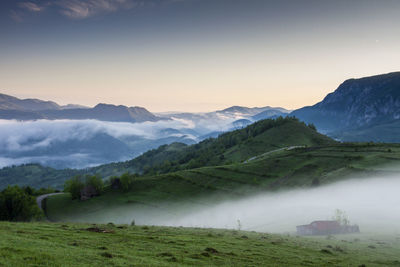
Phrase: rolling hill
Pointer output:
(283, 169)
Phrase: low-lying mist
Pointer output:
(85, 143)
(373, 204)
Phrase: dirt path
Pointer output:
(39, 199)
(273, 151)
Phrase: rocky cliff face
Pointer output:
(356, 103)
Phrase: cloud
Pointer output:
(27, 136)
(31, 6)
(76, 143)
(48, 141)
(74, 160)
(80, 9)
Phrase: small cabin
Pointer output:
(326, 228)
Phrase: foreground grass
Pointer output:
(55, 244)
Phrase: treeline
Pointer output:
(88, 186)
(35, 175)
(84, 187)
(19, 204)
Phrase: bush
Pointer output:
(126, 180)
(96, 182)
(18, 205)
(75, 185)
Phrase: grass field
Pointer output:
(56, 244)
(160, 196)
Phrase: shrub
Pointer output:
(126, 181)
(74, 186)
(18, 205)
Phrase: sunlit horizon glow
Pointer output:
(193, 55)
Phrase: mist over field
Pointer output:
(371, 203)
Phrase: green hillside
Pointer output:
(50, 244)
(230, 147)
(35, 175)
(162, 195)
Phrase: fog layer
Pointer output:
(83, 143)
(373, 204)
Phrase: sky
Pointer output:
(193, 55)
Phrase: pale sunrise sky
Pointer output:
(193, 55)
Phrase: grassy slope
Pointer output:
(34, 175)
(235, 146)
(200, 187)
(49, 244)
(230, 147)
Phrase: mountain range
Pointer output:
(73, 136)
(365, 109)
(34, 109)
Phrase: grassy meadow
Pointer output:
(66, 244)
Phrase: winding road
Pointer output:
(39, 199)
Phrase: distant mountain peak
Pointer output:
(32, 109)
(29, 104)
(357, 103)
(251, 111)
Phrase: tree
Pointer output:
(312, 126)
(341, 217)
(96, 182)
(17, 205)
(74, 186)
(126, 181)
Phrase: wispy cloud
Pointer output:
(31, 6)
(81, 9)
